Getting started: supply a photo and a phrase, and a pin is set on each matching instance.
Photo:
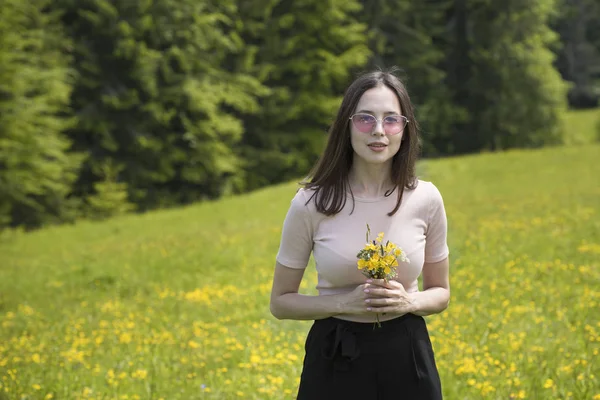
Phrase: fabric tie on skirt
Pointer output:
(341, 347)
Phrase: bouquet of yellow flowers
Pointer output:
(379, 261)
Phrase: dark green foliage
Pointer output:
(412, 36)
(36, 173)
(153, 98)
(578, 23)
(110, 106)
(501, 72)
(304, 53)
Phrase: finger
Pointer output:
(394, 285)
(386, 309)
(375, 291)
(379, 282)
(379, 302)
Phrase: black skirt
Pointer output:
(351, 360)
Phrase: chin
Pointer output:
(372, 157)
(380, 158)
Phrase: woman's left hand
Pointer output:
(388, 297)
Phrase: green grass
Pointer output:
(174, 304)
(581, 126)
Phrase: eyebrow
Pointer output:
(372, 112)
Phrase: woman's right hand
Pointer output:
(354, 301)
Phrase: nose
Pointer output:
(378, 128)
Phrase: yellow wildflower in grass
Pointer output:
(140, 374)
(548, 384)
(125, 338)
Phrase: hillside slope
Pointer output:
(174, 304)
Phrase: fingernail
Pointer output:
(369, 309)
(366, 290)
(369, 281)
(367, 301)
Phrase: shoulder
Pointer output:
(429, 187)
(302, 196)
(427, 191)
(430, 196)
(303, 201)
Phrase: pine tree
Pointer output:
(36, 173)
(411, 35)
(501, 71)
(305, 52)
(578, 55)
(154, 99)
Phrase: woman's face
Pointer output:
(375, 146)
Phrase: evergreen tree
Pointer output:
(154, 99)
(36, 173)
(578, 55)
(500, 70)
(305, 52)
(411, 36)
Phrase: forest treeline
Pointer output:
(113, 106)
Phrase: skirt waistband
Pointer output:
(406, 322)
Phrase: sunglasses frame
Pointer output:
(406, 121)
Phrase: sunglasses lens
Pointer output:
(393, 124)
(364, 122)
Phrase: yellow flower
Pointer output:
(362, 264)
(125, 338)
(548, 384)
(389, 259)
(140, 374)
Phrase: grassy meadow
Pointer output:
(174, 304)
(578, 124)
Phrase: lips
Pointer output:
(377, 144)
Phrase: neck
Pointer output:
(370, 180)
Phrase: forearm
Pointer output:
(304, 307)
(431, 301)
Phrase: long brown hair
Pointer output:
(329, 176)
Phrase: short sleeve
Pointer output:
(297, 234)
(436, 246)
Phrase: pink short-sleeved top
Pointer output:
(419, 227)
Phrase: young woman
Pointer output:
(366, 176)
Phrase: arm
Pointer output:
(287, 303)
(435, 296)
